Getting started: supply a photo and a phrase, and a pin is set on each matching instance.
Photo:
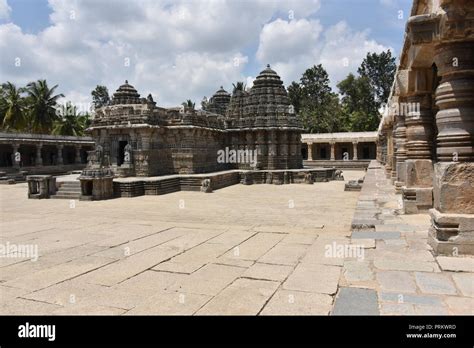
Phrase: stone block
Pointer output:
(451, 234)
(356, 301)
(285, 302)
(454, 187)
(431, 283)
(419, 173)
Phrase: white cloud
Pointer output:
(5, 10)
(297, 45)
(176, 49)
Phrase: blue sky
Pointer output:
(187, 48)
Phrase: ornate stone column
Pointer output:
(39, 158)
(310, 151)
(60, 154)
(418, 189)
(354, 150)
(333, 150)
(15, 148)
(389, 156)
(77, 158)
(452, 230)
(400, 139)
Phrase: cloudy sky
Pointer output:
(180, 49)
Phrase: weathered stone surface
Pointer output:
(435, 283)
(314, 278)
(410, 298)
(465, 282)
(355, 301)
(396, 281)
(284, 254)
(243, 297)
(376, 235)
(356, 271)
(268, 272)
(285, 302)
(456, 264)
(170, 303)
(209, 280)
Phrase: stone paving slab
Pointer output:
(285, 302)
(355, 301)
(314, 278)
(456, 264)
(376, 235)
(268, 272)
(243, 297)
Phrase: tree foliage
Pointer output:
(360, 97)
(100, 97)
(35, 109)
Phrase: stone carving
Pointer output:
(206, 186)
(308, 178)
(338, 175)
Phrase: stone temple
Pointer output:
(160, 141)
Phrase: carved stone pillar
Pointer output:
(389, 157)
(418, 189)
(333, 150)
(78, 159)
(452, 230)
(401, 154)
(39, 158)
(60, 154)
(283, 151)
(15, 163)
(354, 150)
(310, 151)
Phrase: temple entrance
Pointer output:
(121, 152)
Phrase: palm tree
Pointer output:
(43, 103)
(239, 86)
(12, 107)
(70, 122)
(189, 104)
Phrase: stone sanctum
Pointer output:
(426, 138)
(142, 139)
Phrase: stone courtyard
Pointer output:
(256, 250)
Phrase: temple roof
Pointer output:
(126, 94)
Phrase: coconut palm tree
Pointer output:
(12, 107)
(239, 86)
(70, 122)
(189, 104)
(42, 106)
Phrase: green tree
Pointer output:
(189, 104)
(70, 122)
(380, 70)
(100, 96)
(295, 94)
(12, 107)
(359, 107)
(318, 105)
(42, 103)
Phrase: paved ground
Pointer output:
(260, 249)
(398, 273)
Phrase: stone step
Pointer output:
(66, 195)
(69, 189)
(71, 184)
